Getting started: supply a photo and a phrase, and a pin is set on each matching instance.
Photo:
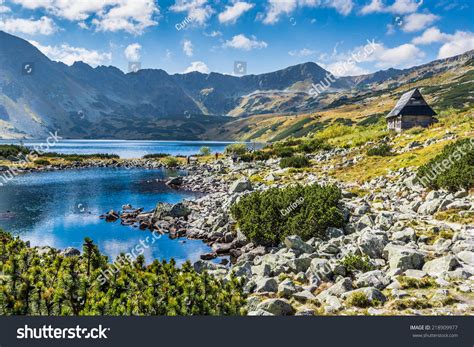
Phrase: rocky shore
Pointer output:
(412, 262)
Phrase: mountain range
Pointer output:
(38, 95)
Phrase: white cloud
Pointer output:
(42, 26)
(214, 33)
(132, 16)
(401, 56)
(418, 21)
(188, 48)
(132, 52)
(354, 62)
(276, 8)
(198, 66)
(458, 43)
(305, 52)
(68, 54)
(244, 43)
(3, 8)
(397, 7)
(198, 11)
(453, 44)
(232, 13)
(431, 35)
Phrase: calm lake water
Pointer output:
(60, 208)
(131, 149)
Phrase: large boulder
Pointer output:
(240, 186)
(339, 288)
(375, 278)
(372, 243)
(295, 243)
(179, 210)
(439, 265)
(320, 267)
(265, 285)
(466, 257)
(403, 258)
(278, 307)
(429, 207)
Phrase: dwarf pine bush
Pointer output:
(51, 284)
(297, 161)
(267, 217)
(451, 169)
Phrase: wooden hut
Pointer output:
(410, 111)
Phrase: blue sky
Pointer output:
(205, 35)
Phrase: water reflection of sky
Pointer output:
(60, 208)
(130, 149)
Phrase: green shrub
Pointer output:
(42, 162)
(267, 217)
(261, 155)
(313, 146)
(156, 156)
(451, 169)
(51, 284)
(205, 151)
(284, 152)
(8, 151)
(360, 299)
(236, 148)
(296, 162)
(354, 263)
(382, 150)
(171, 161)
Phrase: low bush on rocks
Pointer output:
(354, 263)
(294, 162)
(313, 146)
(451, 169)
(360, 299)
(284, 152)
(236, 148)
(418, 283)
(267, 217)
(255, 156)
(156, 156)
(171, 161)
(382, 150)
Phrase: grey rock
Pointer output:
(334, 232)
(320, 267)
(266, 285)
(371, 293)
(240, 186)
(375, 278)
(439, 265)
(339, 288)
(278, 307)
(295, 242)
(403, 258)
(372, 243)
(286, 288)
(466, 257)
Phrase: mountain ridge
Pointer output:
(82, 101)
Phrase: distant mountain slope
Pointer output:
(79, 101)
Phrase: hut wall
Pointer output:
(414, 121)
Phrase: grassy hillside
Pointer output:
(362, 108)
